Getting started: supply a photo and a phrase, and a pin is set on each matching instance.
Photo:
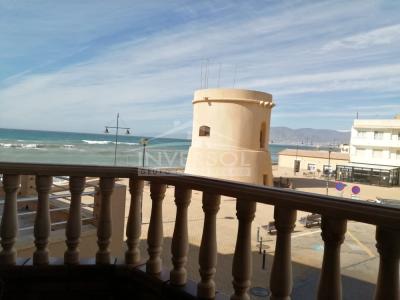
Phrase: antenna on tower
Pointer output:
(201, 75)
(357, 116)
(219, 74)
(206, 75)
(234, 75)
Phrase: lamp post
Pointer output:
(116, 136)
(144, 142)
(296, 166)
(329, 171)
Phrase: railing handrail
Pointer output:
(362, 211)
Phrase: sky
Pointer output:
(72, 65)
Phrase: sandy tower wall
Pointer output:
(230, 135)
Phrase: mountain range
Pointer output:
(308, 136)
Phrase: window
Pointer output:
(327, 169)
(262, 135)
(378, 135)
(265, 179)
(376, 153)
(361, 134)
(312, 167)
(360, 151)
(296, 165)
(204, 131)
(398, 154)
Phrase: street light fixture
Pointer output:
(116, 136)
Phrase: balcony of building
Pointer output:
(169, 269)
(379, 143)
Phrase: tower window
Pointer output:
(204, 131)
(263, 132)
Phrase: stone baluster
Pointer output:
(242, 259)
(42, 220)
(333, 231)
(180, 239)
(281, 274)
(208, 247)
(388, 245)
(155, 233)
(74, 223)
(104, 224)
(134, 224)
(9, 221)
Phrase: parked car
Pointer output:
(271, 227)
(311, 220)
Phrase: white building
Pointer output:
(374, 152)
(376, 142)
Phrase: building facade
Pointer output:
(230, 135)
(314, 161)
(374, 152)
(376, 142)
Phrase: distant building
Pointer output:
(317, 161)
(344, 148)
(374, 153)
(230, 135)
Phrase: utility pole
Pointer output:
(116, 136)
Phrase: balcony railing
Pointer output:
(335, 213)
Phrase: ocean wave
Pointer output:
(96, 142)
(34, 146)
(22, 146)
(123, 143)
(31, 146)
(106, 143)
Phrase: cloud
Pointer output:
(384, 78)
(377, 37)
(148, 69)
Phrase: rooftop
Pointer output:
(315, 154)
(384, 124)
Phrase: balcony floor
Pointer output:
(85, 281)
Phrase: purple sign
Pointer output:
(355, 189)
(340, 186)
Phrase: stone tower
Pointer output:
(230, 135)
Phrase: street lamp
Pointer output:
(144, 142)
(296, 167)
(116, 136)
(329, 171)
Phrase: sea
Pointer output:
(34, 146)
